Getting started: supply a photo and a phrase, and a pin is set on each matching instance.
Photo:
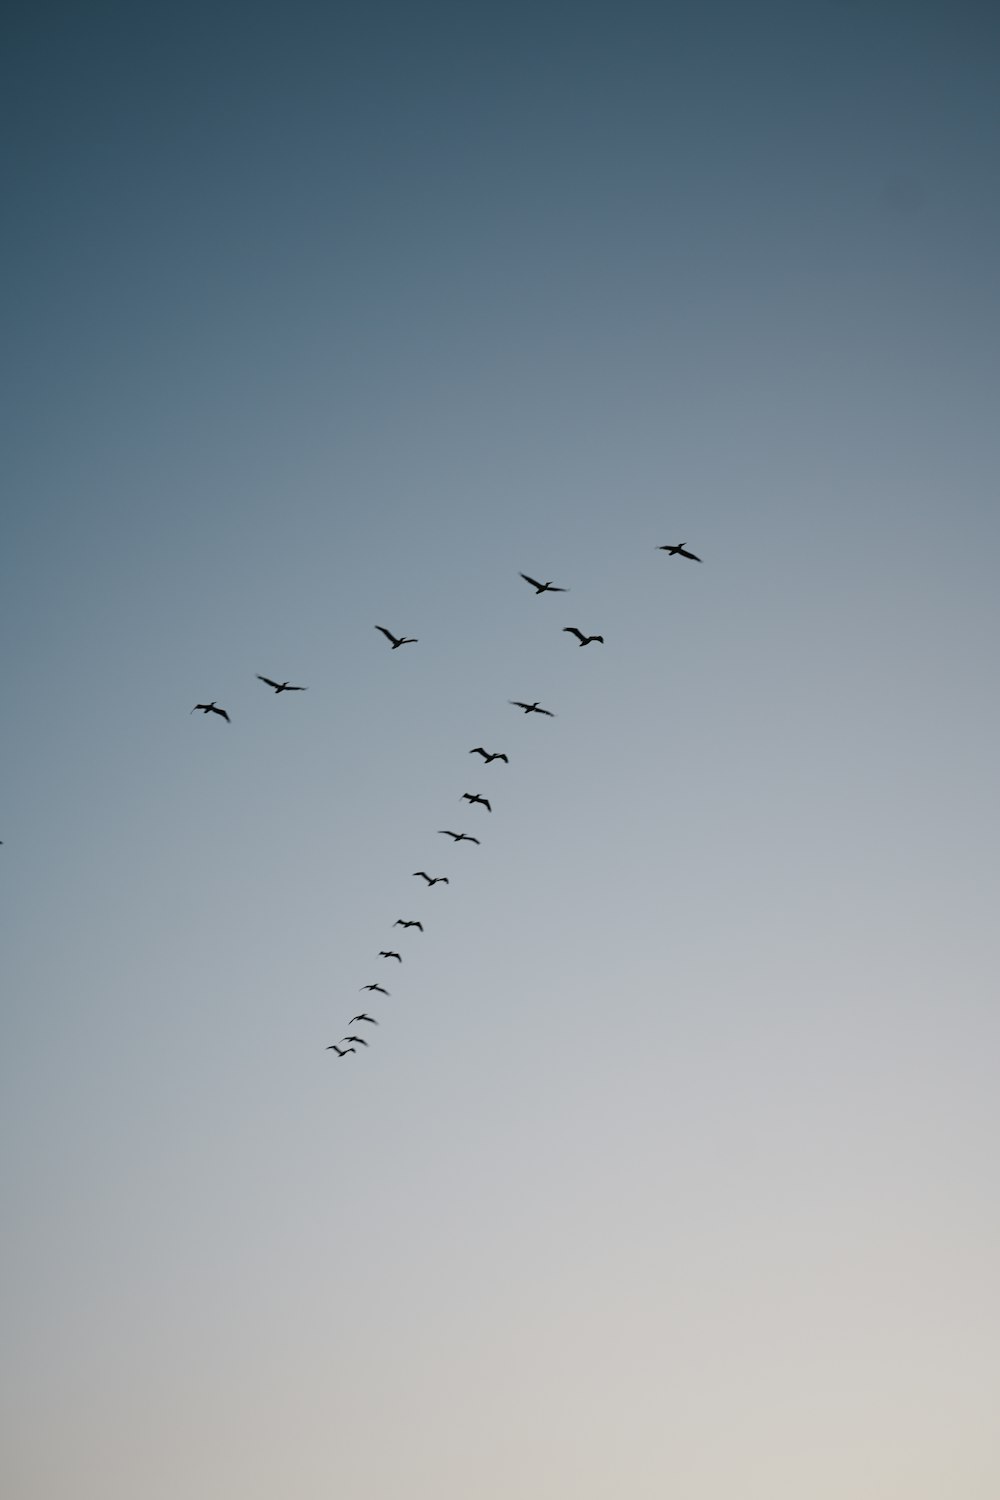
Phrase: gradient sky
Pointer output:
(671, 1169)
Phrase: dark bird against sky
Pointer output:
(584, 640)
(488, 756)
(390, 953)
(281, 687)
(377, 988)
(363, 1017)
(459, 838)
(433, 879)
(400, 923)
(359, 1039)
(210, 708)
(543, 588)
(473, 797)
(532, 708)
(340, 1051)
(680, 551)
(397, 640)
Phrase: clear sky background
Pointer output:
(671, 1168)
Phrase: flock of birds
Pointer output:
(351, 1041)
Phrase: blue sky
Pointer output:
(669, 1167)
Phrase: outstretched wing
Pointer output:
(388, 634)
(692, 555)
(533, 581)
(222, 714)
(547, 712)
(515, 704)
(572, 630)
(268, 681)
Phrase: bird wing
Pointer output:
(293, 689)
(515, 704)
(598, 638)
(449, 833)
(692, 555)
(268, 680)
(388, 634)
(469, 838)
(572, 630)
(423, 873)
(546, 711)
(476, 749)
(533, 581)
(486, 803)
(555, 589)
(418, 924)
(444, 880)
(370, 1019)
(503, 758)
(222, 714)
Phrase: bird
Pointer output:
(210, 708)
(359, 1039)
(390, 953)
(377, 988)
(459, 837)
(363, 1017)
(584, 640)
(397, 640)
(400, 923)
(532, 708)
(433, 879)
(281, 687)
(543, 588)
(340, 1051)
(473, 797)
(680, 551)
(488, 755)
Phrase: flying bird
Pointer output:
(459, 837)
(680, 551)
(488, 756)
(472, 797)
(281, 687)
(363, 1017)
(390, 953)
(377, 988)
(433, 879)
(210, 708)
(340, 1051)
(400, 923)
(397, 640)
(531, 708)
(359, 1039)
(543, 588)
(584, 640)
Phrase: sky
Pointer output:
(670, 1168)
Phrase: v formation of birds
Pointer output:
(352, 1040)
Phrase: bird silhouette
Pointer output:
(390, 953)
(433, 879)
(400, 923)
(459, 838)
(363, 1017)
(359, 1039)
(397, 640)
(531, 708)
(472, 797)
(543, 588)
(584, 640)
(281, 687)
(680, 551)
(210, 708)
(340, 1051)
(377, 988)
(488, 756)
